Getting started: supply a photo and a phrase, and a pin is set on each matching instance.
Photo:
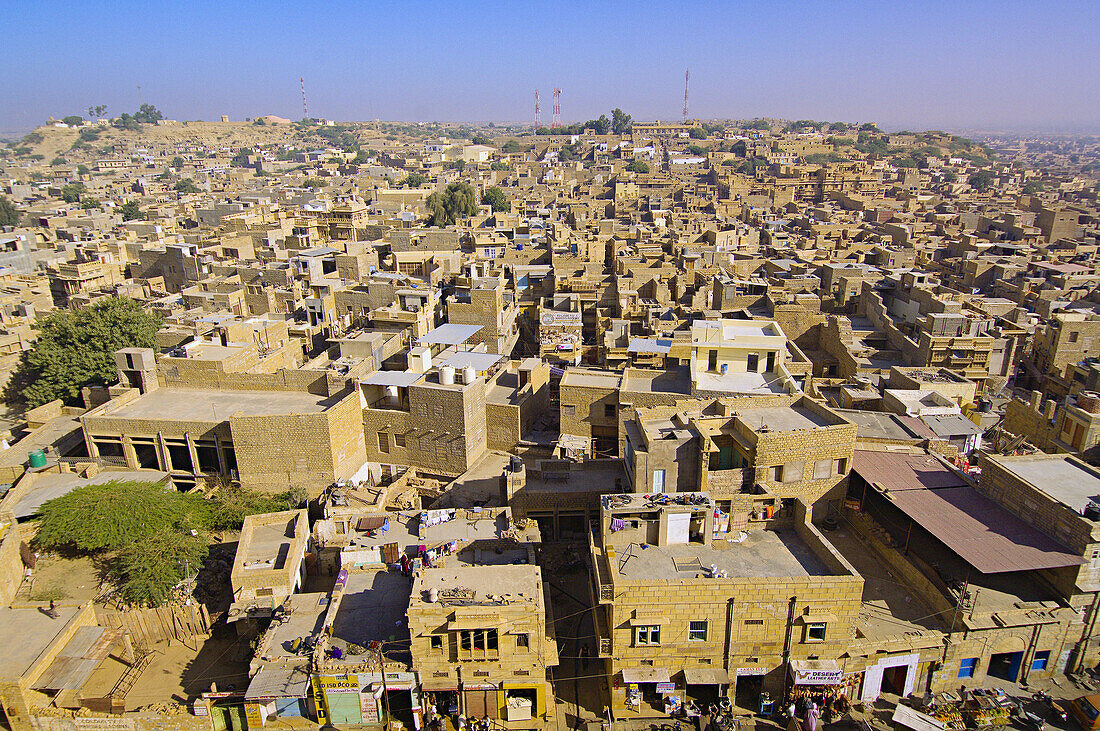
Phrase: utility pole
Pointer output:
(139, 95)
(538, 111)
(377, 646)
(305, 107)
(557, 108)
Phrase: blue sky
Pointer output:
(962, 64)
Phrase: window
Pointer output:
(568, 409)
(609, 411)
(1073, 337)
(697, 631)
(1094, 561)
(649, 635)
(823, 468)
(967, 667)
(815, 632)
(341, 528)
(436, 642)
(712, 360)
(770, 367)
(478, 644)
(777, 473)
(523, 640)
(1039, 662)
(753, 364)
(399, 440)
(658, 480)
(841, 466)
(754, 621)
(383, 443)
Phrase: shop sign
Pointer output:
(340, 683)
(751, 671)
(666, 687)
(253, 715)
(818, 676)
(368, 706)
(104, 724)
(561, 319)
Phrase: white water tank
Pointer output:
(447, 375)
(468, 375)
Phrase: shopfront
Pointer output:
(897, 675)
(823, 683)
(704, 686)
(648, 691)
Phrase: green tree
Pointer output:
(638, 166)
(697, 150)
(75, 348)
(9, 214)
(1032, 187)
(71, 193)
(125, 121)
(981, 180)
(414, 180)
(111, 515)
(500, 166)
(313, 183)
(494, 198)
(148, 569)
(697, 133)
(458, 165)
(511, 147)
(97, 111)
(177, 162)
(73, 120)
(621, 122)
(89, 202)
(950, 176)
(456, 201)
(148, 114)
(481, 140)
(187, 185)
(88, 134)
(83, 169)
(57, 161)
(131, 212)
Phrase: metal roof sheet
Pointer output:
(275, 680)
(897, 471)
(450, 334)
(78, 659)
(981, 532)
(392, 378)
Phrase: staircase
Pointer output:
(143, 657)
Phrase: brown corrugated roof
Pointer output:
(981, 532)
(896, 471)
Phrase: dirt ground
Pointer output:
(61, 578)
(179, 673)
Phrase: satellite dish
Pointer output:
(547, 318)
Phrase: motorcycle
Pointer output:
(1057, 710)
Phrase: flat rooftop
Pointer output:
(27, 632)
(592, 379)
(890, 608)
(1062, 479)
(49, 486)
(306, 617)
(783, 418)
(763, 553)
(373, 608)
(482, 584)
(673, 380)
(739, 382)
(186, 404)
(269, 543)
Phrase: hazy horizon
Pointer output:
(1004, 67)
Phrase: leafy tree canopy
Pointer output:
(638, 166)
(187, 185)
(131, 212)
(111, 515)
(621, 122)
(511, 147)
(148, 114)
(9, 214)
(148, 569)
(456, 201)
(414, 180)
(177, 162)
(73, 120)
(499, 166)
(71, 193)
(981, 180)
(75, 348)
(494, 198)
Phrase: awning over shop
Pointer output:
(981, 532)
(916, 720)
(816, 672)
(645, 675)
(706, 676)
(372, 522)
(275, 680)
(78, 659)
(438, 685)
